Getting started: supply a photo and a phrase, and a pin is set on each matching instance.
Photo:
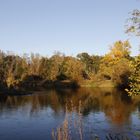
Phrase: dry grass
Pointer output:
(64, 131)
(71, 127)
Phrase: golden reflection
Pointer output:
(116, 106)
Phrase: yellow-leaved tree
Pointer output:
(115, 64)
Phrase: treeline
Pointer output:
(116, 66)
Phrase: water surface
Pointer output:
(102, 111)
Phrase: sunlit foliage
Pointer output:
(115, 64)
(135, 77)
(33, 70)
(133, 26)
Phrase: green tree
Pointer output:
(90, 63)
(96, 63)
(87, 60)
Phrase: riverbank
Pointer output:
(67, 84)
(91, 83)
(29, 87)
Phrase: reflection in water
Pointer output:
(109, 105)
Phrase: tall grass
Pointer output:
(72, 127)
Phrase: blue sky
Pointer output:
(68, 26)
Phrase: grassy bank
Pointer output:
(90, 83)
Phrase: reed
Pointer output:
(72, 127)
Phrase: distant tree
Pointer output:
(34, 64)
(43, 67)
(87, 60)
(72, 68)
(54, 66)
(120, 50)
(2, 70)
(91, 63)
(96, 63)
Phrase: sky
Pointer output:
(67, 26)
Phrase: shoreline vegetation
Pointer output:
(63, 85)
(117, 69)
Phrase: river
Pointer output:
(91, 112)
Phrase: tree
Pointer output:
(116, 63)
(34, 64)
(87, 61)
(134, 82)
(121, 72)
(2, 70)
(133, 26)
(90, 63)
(96, 63)
(54, 65)
(43, 67)
(133, 23)
(72, 68)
